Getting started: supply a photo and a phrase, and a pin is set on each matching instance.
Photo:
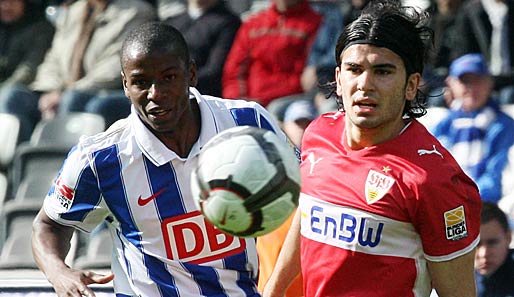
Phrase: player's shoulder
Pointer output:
(326, 125)
(222, 105)
(117, 132)
(423, 151)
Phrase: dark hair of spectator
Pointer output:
(491, 212)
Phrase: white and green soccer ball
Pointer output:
(247, 181)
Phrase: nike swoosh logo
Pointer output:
(145, 201)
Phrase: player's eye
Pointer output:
(140, 83)
(170, 77)
(383, 71)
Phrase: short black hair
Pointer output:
(490, 212)
(402, 29)
(155, 37)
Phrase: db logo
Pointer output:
(191, 238)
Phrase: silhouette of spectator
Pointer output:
(442, 21)
(22, 23)
(83, 61)
(270, 52)
(476, 131)
(487, 27)
(352, 9)
(209, 28)
(494, 261)
(321, 56)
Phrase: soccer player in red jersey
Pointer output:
(385, 210)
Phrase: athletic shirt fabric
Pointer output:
(163, 246)
(370, 218)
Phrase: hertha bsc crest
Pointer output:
(377, 185)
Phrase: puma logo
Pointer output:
(313, 161)
(334, 116)
(428, 152)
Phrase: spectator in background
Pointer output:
(352, 10)
(476, 131)
(270, 51)
(321, 56)
(25, 36)
(442, 21)
(487, 27)
(298, 115)
(494, 261)
(209, 28)
(82, 63)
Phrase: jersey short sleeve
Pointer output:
(448, 214)
(75, 199)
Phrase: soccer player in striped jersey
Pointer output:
(384, 209)
(136, 177)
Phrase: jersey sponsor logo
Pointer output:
(376, 186)
(312, 161)
(64, 194)
(358, 230)
(191, 238)
(144, 201)
(455, 222)
(342, 227)
(434, 150)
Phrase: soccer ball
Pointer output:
(247, 181)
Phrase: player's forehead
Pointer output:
(137, 59)
(366, 54)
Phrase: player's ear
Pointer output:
(339, 89)
(412, 86)
(124, 81)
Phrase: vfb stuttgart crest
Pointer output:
(377, 185)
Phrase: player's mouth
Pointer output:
(157, 113)
(364, 105)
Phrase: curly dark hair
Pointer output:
(404, 30)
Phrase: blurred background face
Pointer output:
(284, 4)
(473, 90)
(492, 249)
(448, 6)
(11, 10)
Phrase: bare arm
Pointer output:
(288, 262)
(50, 245)
(455, 277)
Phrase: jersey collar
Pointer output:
(156, 151)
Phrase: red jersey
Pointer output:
(370, 218)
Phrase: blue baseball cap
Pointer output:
(470, 63)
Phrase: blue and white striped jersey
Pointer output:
(163, 246)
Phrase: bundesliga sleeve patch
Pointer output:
(64, 195)
(455, 222)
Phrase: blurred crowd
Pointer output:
(59, 57)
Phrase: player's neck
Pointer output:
(359, 138)
(182, 142)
